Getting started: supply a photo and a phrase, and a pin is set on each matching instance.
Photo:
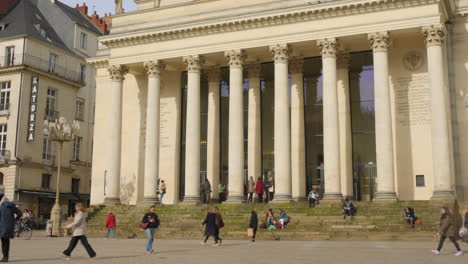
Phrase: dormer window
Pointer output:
(43, 32)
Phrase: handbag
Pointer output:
(418, 222)
(250, 232)
(144, 226)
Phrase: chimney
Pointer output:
(82, 9)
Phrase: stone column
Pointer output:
(254, 148)
(236, 59)
(114, 148)
(434, 37)
(383, 118)
(213, 140)
(344, 113)
(298, 162)
(192, 135)
(331, 133)
(153, 70)
(282, 144)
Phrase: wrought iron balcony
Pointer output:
(5, 109)
(51, 116)
(48, 159)
(42, 65)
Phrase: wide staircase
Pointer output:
(374, 221)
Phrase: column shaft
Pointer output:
(213, 141)
(344, 112)
(298, 162)
(112, 180)
(152, 132)
(282, 125)
(441, 159)
(383, 118)
(236, 126)
(192, 134)
(254, 147)
(331, 133)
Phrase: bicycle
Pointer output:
(23, 230)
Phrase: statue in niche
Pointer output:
(118, 7)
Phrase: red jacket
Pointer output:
(259, 187)
(110, 221)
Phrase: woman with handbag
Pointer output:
(447, 229)
(211, 228)
(149, 223)
(79, 233)
(253, 225)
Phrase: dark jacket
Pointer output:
(253, 221)
(152, 219)
(9, 214)
(210, 225)
(447, 226)
(466, 220)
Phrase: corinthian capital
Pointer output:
(379, 40)
(280, 52)
(154, 68)
(193, 62)
(235, 58)
(254, 70)
(328, 47)
(296, 65)
(117, 72)
(434, 34)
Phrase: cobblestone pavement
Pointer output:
(48, 250)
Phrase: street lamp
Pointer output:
(59, 131)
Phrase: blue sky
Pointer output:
(101, 6)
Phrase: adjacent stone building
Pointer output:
(357, 98)
(43, 76)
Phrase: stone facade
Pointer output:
(419, 112)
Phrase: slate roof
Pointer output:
(78, 17)
(25, 20)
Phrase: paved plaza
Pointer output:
(122, 251)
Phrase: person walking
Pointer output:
(151, 222)
(110, 225)
(210, 227)
(162, 191)
(253, 224)
(259, 189)
(251, 190)
(447, 229)
(78, 228)
(9, 214)
(312, 197)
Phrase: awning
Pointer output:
(69, 196)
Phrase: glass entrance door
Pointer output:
(364, 181)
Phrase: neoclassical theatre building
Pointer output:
(357, 98)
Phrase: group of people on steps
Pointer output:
(213, 222)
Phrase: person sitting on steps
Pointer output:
(348, 208)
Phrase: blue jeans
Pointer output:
(110, 231)
(161, 196)
(149, 238)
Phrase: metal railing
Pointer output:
(48, 159)
(51, 116)
(41, 64)
(5, 155)
(4, 109)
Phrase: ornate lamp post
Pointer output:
(59, 131)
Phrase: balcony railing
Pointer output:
(4, 155)
(4, 109)
(51, 116)
(41, 64)
(48, 159)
